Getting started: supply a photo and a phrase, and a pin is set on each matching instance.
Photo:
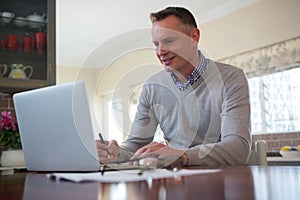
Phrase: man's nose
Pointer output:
(161, 51)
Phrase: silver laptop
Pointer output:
(56, 129)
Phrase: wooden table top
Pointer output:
(243, 182)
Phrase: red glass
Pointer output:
(40, 40)
(11, 43)
(27, 44)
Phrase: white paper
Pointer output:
(127, 176)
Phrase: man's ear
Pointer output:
(195, 36)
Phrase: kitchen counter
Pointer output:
(279, 160)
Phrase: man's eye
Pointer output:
(169, 41)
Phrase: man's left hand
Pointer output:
(157, 150)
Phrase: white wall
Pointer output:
(258, 25)
(127, 67)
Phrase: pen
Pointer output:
(101, 138)
(103, 142)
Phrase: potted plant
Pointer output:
(10, 140)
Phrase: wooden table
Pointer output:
(255, 182)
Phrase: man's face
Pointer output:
(175, 44)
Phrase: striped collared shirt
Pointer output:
(194, 76)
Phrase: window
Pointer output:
(275, 102)
(274, 83)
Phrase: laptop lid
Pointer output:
(56, 129)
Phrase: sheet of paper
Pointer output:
(127, 176)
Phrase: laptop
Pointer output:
(56, 128)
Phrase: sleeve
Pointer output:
(143, 127)
(235, 141)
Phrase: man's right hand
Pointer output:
(108, 152)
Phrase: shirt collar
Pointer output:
(194, 75)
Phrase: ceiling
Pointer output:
(93, 32)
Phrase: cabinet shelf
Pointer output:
(11, 86)
(16, 55)
(21, 23)
(37, 61)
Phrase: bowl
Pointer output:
(290, 154)
(7, 19)
(20, 21)
(33, 24)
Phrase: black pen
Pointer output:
(101, 139)
(103, 142)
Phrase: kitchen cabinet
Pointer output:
(27, 38)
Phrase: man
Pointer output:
(201, 106)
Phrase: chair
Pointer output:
(258, 156)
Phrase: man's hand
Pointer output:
(160, 151)
(108, 152)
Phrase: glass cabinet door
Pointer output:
(27, 44)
